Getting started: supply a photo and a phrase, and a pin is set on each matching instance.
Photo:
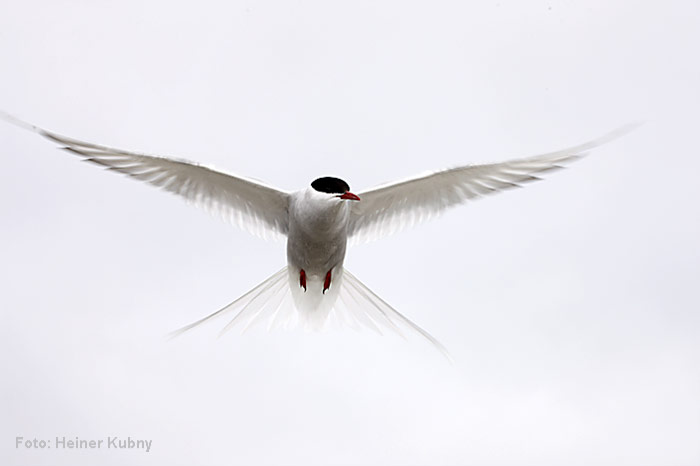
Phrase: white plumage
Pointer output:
(318, 221)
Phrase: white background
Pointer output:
(570, 307)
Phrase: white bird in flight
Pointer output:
(317, 222)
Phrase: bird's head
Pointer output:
(334, 188)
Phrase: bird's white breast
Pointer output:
(317, 232)
(316, 243)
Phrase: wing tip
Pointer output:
(13, 120)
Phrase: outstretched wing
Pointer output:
(250, 204)
(389, 208)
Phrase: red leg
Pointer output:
(302, 279)
(327, 282)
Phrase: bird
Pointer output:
(318, 221)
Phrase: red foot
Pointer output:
(327, 282)
(302, 279)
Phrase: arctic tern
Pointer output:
(317, 222)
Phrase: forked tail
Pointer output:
(356, 306)
(268, 300)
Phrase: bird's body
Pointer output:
(316, 246)
(317, 222)
(317, 238)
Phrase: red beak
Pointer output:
(350, 196)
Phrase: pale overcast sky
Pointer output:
(570, 307)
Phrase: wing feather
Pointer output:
(252, 205)
(387, 209)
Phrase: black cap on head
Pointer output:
(330, 185)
